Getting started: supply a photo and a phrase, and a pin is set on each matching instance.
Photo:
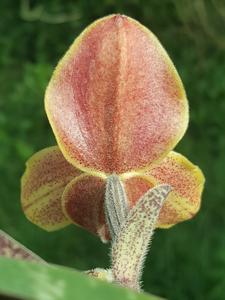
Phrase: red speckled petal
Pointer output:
(115, 101)
(83, 198)
(136, 187)
(47, 173)
(83, 201)
(186, 180)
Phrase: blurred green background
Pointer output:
(187, 261)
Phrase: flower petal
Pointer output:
(115, 101)
(83, 198)
(83, 201)
(186, 180)
(43, 183)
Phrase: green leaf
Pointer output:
(36, 281)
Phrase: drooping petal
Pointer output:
(83, 197)
(83, 204)
(187, 183)
(115, 101)
(47, 173)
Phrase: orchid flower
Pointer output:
(116, 105)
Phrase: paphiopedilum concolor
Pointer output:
(116, 105)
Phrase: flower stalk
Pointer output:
(132, 232)
(132, 243)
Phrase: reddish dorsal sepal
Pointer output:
(115, 101)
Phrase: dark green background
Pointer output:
(187, 261)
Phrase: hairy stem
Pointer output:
(130, 246)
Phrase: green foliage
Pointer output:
(35, 281)
(187, 261)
